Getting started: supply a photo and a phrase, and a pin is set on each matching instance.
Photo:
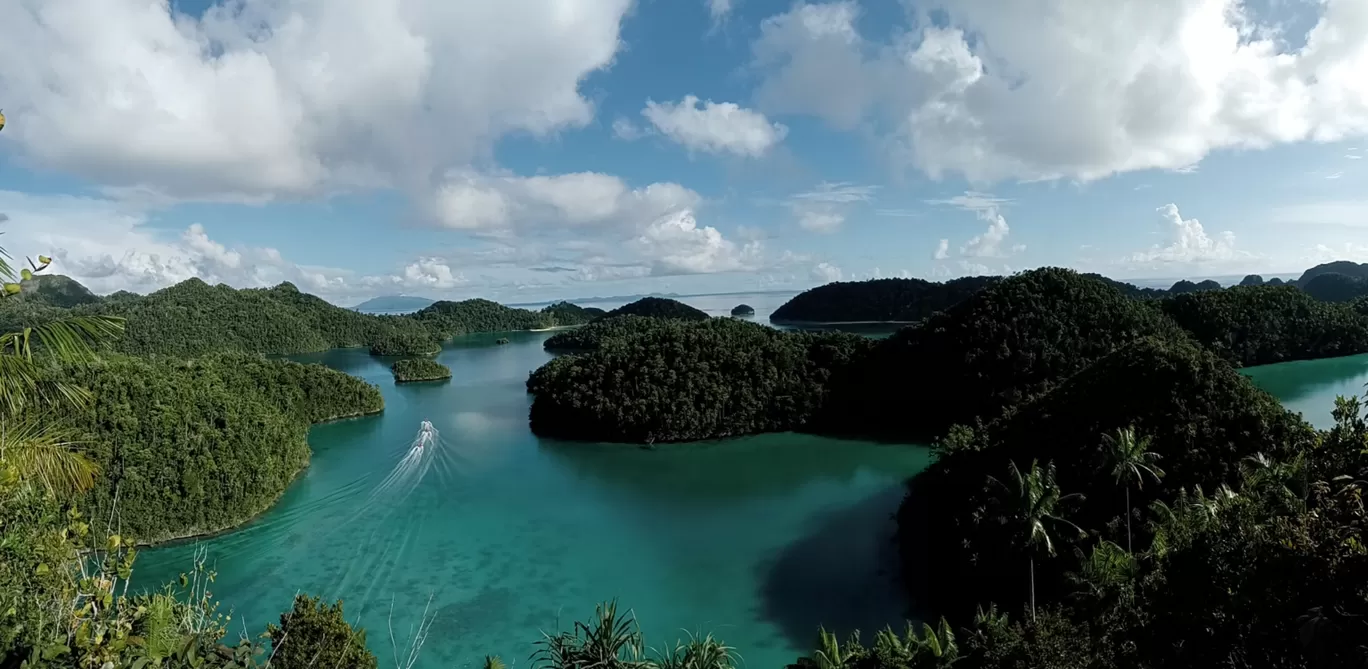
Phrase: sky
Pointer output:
(526, 150)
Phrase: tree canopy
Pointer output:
(882, 300)
(658, 307)
(419, 369)
(678, 381)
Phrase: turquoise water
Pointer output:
(758, 540)
(1310, 387)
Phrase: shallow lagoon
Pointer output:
(757, 540)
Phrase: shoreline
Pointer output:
(197, 534)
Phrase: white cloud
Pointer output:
(716, 127)
(675, 244)
(991, 243)
(719, 9)
(826, 272)
(107, 246)
(1048, 89)
(625, 129)
(820, 221)
(1323, 253)
(942, 250)
(824, 208)
(261, 98)
(470, 200)
(1189, 243)
(432, 272)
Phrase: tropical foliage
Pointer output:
(593, 336)
(887, 300)
(419, 369)
(658, 307)
(193, 447)
(193, 318)
(679, 381)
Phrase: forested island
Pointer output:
(905, 301)
(1109, 492)
(193, 318)
(419, 369)
(658, 307)
(743, 310)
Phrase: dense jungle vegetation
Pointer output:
(910, 300)
(419, 369)
(680, 381)
(891, 300)
(658, 307)
(1109, 490)
(194, 447)
(1119, 497)
(193, 318)
(998, 348)
(605, 330)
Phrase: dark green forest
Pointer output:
(193, 318)
(911, 300)
(681, 381)
(658, 307)
(600, 332)
(889, 300)
(419, 369)
(996, 349)
(195, 447)
(1109, 492)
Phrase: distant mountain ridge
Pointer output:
(392, 303)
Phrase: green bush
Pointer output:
(419, 369)
(317, 635)
(683, 381)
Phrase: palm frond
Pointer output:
(45, 454)
(28, 381)
(28, 357)
(69, 340)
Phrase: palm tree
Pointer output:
(1036, 498)
(1131, 461)
(37, 449)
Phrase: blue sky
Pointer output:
(539, 149)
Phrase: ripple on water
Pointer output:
(758, 540)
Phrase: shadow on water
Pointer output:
(843, 575)
(722, 472)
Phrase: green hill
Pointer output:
(193, 318)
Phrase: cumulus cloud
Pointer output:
(1323, 253)
(991, 243)
(675, 244)
(942, 250)
(719, 9)
(824, 208)
(107, 246)
(826, 272)
(259, 98)
(469, 200)
(1048, 89)
(1189, 243)
(715, 127)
